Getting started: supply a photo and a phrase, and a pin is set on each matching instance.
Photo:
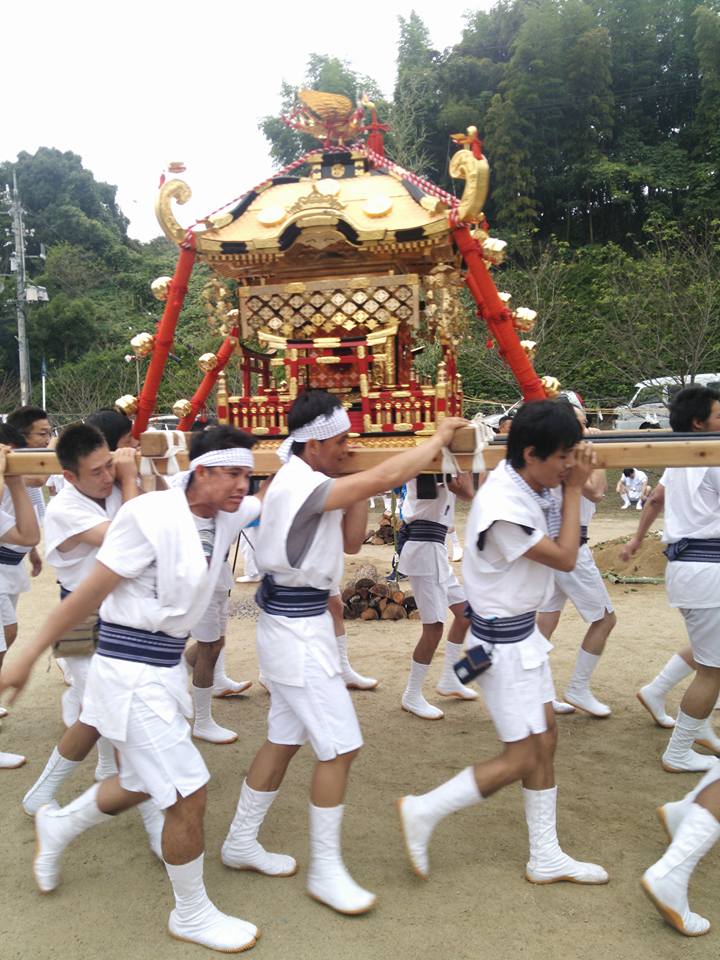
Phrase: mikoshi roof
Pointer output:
(356, 212)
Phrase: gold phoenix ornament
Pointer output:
(207, 362)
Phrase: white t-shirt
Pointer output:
(13, 577)
(427, 559)
(68, 514)
(500, 581)
(634, 485)
(692, 510)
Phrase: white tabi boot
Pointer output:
(548, 863)
(197, 919)
(328, 879)
(671, 814)
(43, 791)
(153, 820)
(679, 757)
(106, 765)
(420, 815)
(561, 708)
(708, 738)
(223, 686)
(4, 713)
(204, 727)
(449, 685)
(666, 882)
(652, 695)
(412, 700)
(241, 849)
(352, 679)
(55, 827)
(10, 761)
(578, 693)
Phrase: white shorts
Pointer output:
(159, 758)
(213, 623)
(8, 606)
(433, 598)
(703, 627)
(584, 586)
(322, 712)
(71, 699)
(516, 696)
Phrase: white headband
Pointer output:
(234, 457)
(321, 428)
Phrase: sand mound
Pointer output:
(649, 561)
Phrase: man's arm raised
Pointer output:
(395, 471)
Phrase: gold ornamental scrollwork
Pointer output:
(315, 199)
(176, 190)
(476, 174)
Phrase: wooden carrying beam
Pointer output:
(691, 451)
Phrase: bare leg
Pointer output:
(330, 780)
(77, 741)
(269, 766)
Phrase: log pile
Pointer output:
(384, 534)
(371, 599)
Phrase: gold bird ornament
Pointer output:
(207, 362)
(551, 386)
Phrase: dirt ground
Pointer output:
(115, 898)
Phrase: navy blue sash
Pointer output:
(290, 601)
(694, 551)
(501, 629)
(11, 558)
(139, 646)
(63, 592)
(583, 536)
(427, 531)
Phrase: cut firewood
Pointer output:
(348, 592)
(380, 590)
(398, 597)
(369, 614)
(414, 615)
(394, 611)
(410, 604)
(364, 583)
(376, 542)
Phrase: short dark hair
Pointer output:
(222, 437)
(628, 471)
(545, 425)
(11, 436)
(309, 405)
(691, 403)
(504, 419)
(77, 441)
(202, 423)
(24, 417)
(111, 424)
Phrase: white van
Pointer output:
(648, 408)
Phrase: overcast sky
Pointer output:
(132, 85)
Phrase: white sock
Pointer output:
(418, 672)
(219, 671)
(191, 899)
(453, 653)
(674, 672)
(455, 794)
(202, 699)
(454, 538)
(625, 499)
(584, 667)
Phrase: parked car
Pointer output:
(649, 406)
(165, 422)
(573, 398)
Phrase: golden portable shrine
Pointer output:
(345, 265)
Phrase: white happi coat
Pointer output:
(154, 544)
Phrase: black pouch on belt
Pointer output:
(476, 661)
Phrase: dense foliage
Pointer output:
(601, 120)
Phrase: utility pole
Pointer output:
(19, 236)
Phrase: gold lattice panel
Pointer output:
(347, 307)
